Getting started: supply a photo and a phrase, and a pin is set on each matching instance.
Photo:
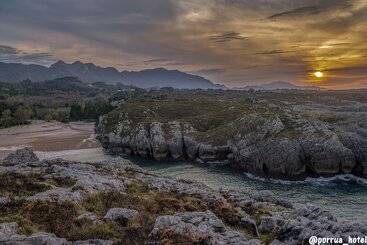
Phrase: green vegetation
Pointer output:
(63, 218)
(21, 185)
(18, 185)
(216, 115)
(64, 99)
(219, 116)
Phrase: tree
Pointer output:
(22, 115)
(76, 112)
(6, 119)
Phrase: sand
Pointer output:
(48, 136)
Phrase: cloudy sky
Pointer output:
(235, 42)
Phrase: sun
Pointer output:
(319, 74)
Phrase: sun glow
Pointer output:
(319, 74)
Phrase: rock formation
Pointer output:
(270, 138)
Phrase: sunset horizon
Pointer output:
(235, 43)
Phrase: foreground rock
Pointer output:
(63, 202)
(123, 214)
(196, 227)
(24, 155)
(290, 135)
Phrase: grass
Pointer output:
(266, 238)
(215, 118)
(20, 185)
(220, 116)
(61, 218)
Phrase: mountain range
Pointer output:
(277, 85)
(89, 72)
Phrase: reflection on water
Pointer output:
(345, 196)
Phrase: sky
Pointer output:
(233, 42)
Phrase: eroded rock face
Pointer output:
(285, 145)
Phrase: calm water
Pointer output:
(345, 196)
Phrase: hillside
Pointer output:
(88, 72)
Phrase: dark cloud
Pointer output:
(11, 54)
(308, 10)
(159, 60)
(226, 37)
(163, 62)
(276, 51)
(6, 50)
(210, 36)
(211, 71)
(313, 9)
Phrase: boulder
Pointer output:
(90, 217)
(121, 214)
(20, 156)
(195, 227)
(4, 201)
(8, 230)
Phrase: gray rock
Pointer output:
(93, 242)
(8, 230)
(124, 214)
(196, 227)
(174, 137)
(4, 201)
(24, 155)
(9, 236)
(158, 142)
(45, 239)
(89, 216)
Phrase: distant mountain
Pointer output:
(88, 72)
(281, 85)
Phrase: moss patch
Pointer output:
(21, 185)
(62, 218)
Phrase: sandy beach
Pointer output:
(48, 136)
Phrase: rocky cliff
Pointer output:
(63, 202)
(290, 135)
